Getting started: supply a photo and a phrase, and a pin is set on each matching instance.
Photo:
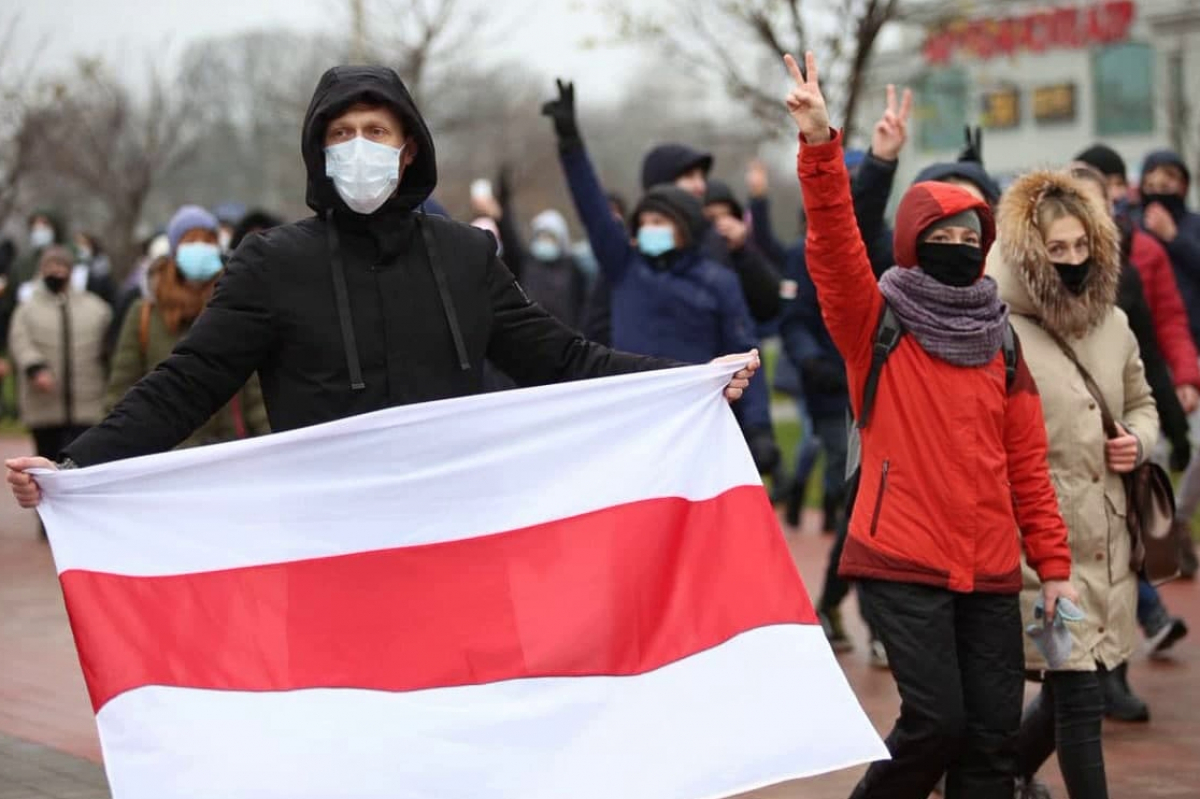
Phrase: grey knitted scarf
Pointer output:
(961, 326)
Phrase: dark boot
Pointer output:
(833, 506)
(795, 502)
(1120, 703)
(1187, 551)
(835, 633)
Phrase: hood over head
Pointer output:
(342, 87)
(927, 203)
(963, 170)
(554, 224)
(668, 161)
(681, 207)
(1104, 158)
(1166, 158)
(1029, 283)
(720, 192)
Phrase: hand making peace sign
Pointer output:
(804, 101)
(891, 131)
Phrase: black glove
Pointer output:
(974, 149)
(763, 449)
(562, 111)
(1181, 455)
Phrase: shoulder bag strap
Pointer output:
(1106, 417)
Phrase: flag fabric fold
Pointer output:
(577, 590)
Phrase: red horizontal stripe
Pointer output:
(620, 591)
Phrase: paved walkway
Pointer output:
(48, 744)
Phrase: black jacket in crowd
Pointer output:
(426, 301)
(1132, 300)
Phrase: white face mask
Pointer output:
(41, 236)
(364, 173)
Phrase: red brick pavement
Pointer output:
(42, 696)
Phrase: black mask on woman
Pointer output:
(957, 265)
(55, 283)
(1074, 276)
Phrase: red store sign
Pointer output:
(1057, 28)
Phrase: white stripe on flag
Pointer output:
(775, 697)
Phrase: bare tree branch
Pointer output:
(772, 28)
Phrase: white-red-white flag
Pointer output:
(573, 591)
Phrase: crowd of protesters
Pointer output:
(949, 366)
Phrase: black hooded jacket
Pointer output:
(426, 302)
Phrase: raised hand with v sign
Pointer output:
(805, 102)
(891, 131)
(562, 111)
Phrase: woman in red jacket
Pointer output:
(953, 465)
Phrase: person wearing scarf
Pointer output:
(953, 465)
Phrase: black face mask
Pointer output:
(957, 265)
(55, 283)
(1172, 202)
(1074, 276)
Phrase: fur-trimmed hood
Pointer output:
(1029, 283)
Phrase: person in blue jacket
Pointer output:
(668, 298)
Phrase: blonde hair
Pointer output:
(1055, 205)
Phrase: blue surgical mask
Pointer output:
(545, 250)
(199, 261)
(655, 240)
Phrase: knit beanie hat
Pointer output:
(1104, 158)
(189, 217)
(968, 219)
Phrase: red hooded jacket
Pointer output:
(953, 460)
(1171, 329)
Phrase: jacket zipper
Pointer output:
(883, 478)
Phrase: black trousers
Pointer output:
(1068, 716)
(51, 441)
(958, 661)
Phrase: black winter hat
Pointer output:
(1159, 158)
(1104, 158)
(683, 209)
(720, 192)
(668, 161)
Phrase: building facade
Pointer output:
(1045, 80)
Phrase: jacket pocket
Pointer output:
(883, 481)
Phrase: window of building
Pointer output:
(942, 109)
(1123, 89)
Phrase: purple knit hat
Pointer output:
(189, 217)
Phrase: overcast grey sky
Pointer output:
(549, 39)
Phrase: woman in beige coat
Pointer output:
(1058, 262)
(56, 338)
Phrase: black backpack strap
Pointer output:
(1010, 355)
(887, 337)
